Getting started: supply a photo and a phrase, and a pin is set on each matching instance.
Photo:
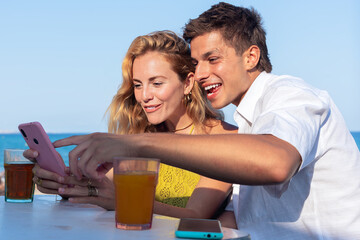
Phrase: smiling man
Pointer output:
(228, 47)
(222, 72)
(294, 158)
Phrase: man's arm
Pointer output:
(235, 158)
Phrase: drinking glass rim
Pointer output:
(15, 150)
(135, 158)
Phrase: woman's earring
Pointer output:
(188, 98)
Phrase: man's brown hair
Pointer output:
(240, 27)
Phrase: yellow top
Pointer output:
(175, 185)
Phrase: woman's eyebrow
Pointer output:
(156, 77)
(150, 79)
(136, 80)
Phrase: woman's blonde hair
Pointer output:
(126, 115)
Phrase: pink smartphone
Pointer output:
(37, 139)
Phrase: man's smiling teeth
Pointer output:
(207, 88)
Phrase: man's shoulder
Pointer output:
(286, 80)
(289, 83)
(272, 81)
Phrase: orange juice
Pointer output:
(134, 198)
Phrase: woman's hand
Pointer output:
(77, 189)
(49, 182)
(46, 181)
(101, 193)
(31, 155)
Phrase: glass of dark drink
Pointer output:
(19, 185)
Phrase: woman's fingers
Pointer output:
(84, 182)
(46, 190)
(44, 174)
(31, 154)
(101, 193)
(81, 188)
(77, 191)
(53, 180)
(48, 184)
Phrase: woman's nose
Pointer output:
(147, 94)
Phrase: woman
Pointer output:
(158, 94)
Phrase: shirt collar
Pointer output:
(248, 103)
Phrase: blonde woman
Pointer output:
(158, 94)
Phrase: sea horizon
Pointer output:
(15, 140)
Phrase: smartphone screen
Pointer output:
(199, 228)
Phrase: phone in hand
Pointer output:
(37, 139)
(199, 228)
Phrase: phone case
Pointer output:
(37, 139)
(199, 229)
(198, 235)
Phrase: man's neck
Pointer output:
(252, 76)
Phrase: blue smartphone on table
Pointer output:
(199, 228)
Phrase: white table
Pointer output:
(47, 218)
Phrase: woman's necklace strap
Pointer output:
(176, 130)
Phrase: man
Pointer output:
(294, 157)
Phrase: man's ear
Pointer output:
(252, 57)
(189, 83)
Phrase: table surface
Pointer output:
(48, 218)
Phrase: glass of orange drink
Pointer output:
(135, 180)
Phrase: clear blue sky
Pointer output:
(60, 61)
